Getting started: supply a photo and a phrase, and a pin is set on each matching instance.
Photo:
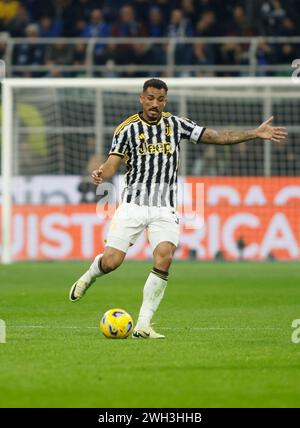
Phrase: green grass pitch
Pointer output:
(228, 343)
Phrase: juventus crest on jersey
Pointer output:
(151, 151)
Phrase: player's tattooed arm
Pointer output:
(107, 169)
(265, 132)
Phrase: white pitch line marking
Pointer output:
(16, 326)
(50, 327)
(2, 331)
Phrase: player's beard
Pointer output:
(153, 114)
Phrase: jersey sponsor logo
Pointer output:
(151, 149)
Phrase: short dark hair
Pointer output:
(155, 83)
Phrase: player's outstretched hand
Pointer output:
(97, 176)
(274, 133)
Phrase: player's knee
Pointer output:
(163, 261)
(111, 262)
(163, 256)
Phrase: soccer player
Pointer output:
(149, 143)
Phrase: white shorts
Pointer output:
(130, 220)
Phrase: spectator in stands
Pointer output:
(8, 12)
(287, 54)
(39, 8)
(141, 56)
(188, 9)
(75, 14)
(222, 11)
(288, 28)
(127, 25)
(79, 57)
(202, 6)
(206, 25)
(164, 6)
(272, 14)
(97, 27)
(239, 25)
(18, 24)
(179, 27)
(141, 9)
(30, 54)
(156, 26)
(50, 27)
(78, 28)
(201, 55)
(289, 51)
(231, 54)
(292, 9)
(111, 57)
(265, 55)
(157, 18)
(60, 54)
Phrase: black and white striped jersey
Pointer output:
(151, 152)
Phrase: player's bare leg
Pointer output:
(154, 290)
(104, 263)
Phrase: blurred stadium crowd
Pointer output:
(37, 19)
(29, 22)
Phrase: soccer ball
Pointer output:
(116, 324)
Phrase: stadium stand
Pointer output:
(28, 27)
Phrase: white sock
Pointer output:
(152, 296)
(93, 271)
